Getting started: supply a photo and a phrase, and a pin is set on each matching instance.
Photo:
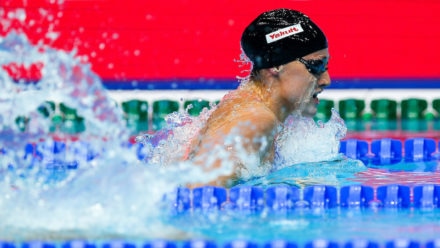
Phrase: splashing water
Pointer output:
(307, 153)
(63, 79)
(302, 140)
(111, 195)
(114, 194)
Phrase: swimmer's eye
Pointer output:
(315, 66)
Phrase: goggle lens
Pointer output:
(315, 66)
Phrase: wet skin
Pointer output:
(255, 112)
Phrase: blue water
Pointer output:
(103, 191)
(339, 225)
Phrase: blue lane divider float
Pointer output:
(280, 244)
(118, 244)
(427, 196)
(159, 244)
(246, 198)
(388, 151)
(394, 196)
(5, 244)
(321, 243)
(402, 243)
(355, 149)
(240, 244)
(419, 149)
(321, 196)
(433, 244)
(180, 198)
(318, 243)
(208, 197)
(361, 243)
(78, 244)
(38, 244)
(282, 197)
(58, 154)
(356, 196)
(199, 244)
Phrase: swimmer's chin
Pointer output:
(310, 110)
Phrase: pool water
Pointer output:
(302, 226)
(97, 186)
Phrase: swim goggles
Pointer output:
(315, 66)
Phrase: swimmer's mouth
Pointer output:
(315, 95)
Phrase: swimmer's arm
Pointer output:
(260, 135)
(254, 131)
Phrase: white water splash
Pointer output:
(64, 78)
(113, 195)
(303, 141)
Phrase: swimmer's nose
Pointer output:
(324, 80)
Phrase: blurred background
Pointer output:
(381, 51)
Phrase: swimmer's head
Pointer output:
(280, 36)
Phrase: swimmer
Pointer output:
(289, 55)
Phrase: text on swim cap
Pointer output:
(283, 33)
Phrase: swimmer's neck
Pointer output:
(269, 96)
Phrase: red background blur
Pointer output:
(177, 40)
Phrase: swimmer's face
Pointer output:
(300, 85)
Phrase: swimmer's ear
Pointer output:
(276, 70)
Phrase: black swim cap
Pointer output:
(280, 36)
